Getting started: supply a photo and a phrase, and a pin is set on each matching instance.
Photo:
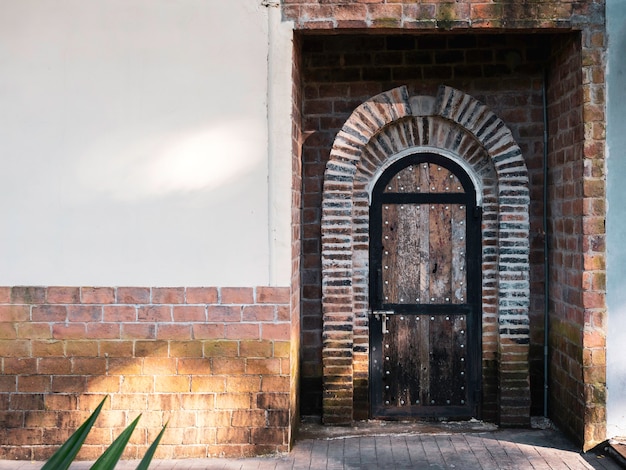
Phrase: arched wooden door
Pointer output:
(425, 327)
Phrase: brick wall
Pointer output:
(577, 213)
(341, 72)
(441, 14)
(214, 362)
(296, 243)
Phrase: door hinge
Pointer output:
(478, 212)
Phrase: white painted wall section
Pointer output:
(134, 142)
(616, 220)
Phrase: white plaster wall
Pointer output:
(134, 143)
(616, 219)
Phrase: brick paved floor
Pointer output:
(480, 450)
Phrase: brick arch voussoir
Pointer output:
(487, 128)
(378, 129)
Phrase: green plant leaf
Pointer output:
(147, 458)
(64, 456)
(111, 456)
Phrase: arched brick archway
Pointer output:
(456, 126)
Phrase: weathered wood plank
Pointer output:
(458, 265)
(440, 253)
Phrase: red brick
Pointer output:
(8, 330)
(181, 419)
(97, 295)
(186, 349)
(68, 383)
(14, 313)
(272, 295)
(263, 366)
(275, 384)
(129, 401)
(243, 384)
(63, 295)
(198, 401)
(159, 366)
(228, 366)
(282, 349)
(208, 384)
(208, 331)
(201, 295)
(133, 295)
(232, 401)
(84, 313)
(8, 383)
(236, 295)
(594, 339)
(194, 366)
(226, 448)
(62, 402)
(5, 295)
(81, 348)
(172, 384)
(281, 331)
(48, 348)
(125, 366)
(278, 418)
(28, 295)
(189, 313)
(137, 384)
(54, 365)
(88, 365)
(49, 313)
(223, 314)
(119, 313)
(33, 330)
(168, 295)
(158, 348)
(258, 313)
(40, 419)
(24, 437)
(155, 313)
(20, 365)
(248, 418)
(283, 313)
(98, 436)
(221, 348)
(33, 383)
(180, 332)
(138, 331)
(14, 348)
(268, 436)
(164, 402)
(69, 331)
(256, 349)
(242, 331)
(103, 330)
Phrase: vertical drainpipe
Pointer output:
(546, 248)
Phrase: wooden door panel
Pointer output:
(423, 258)
(424, 360)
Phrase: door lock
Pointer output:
(384, 314)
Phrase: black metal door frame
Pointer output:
(472, 307)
